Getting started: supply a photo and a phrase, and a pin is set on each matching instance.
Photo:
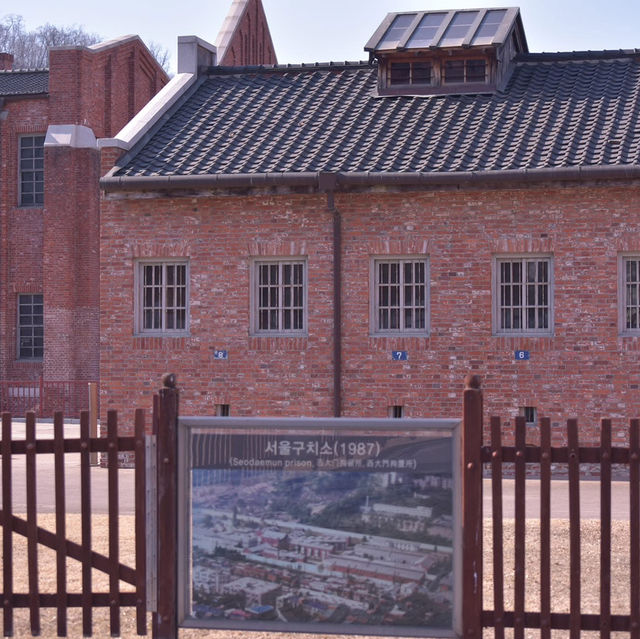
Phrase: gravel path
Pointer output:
(560, 586)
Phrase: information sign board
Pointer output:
(344, 526)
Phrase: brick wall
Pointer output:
(102, 88)
(53, 249)
(584, 370)
(20, 234)
(70, 264)
(251, 42)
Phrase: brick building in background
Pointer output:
(49, 201)
(353, 239)
(49, 205)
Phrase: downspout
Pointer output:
(327, 183)
(4, 250)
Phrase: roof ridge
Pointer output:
(303, 66)
(558, 56)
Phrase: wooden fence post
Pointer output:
(472, 528)
(93, 418)
(165, 624)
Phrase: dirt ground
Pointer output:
(560, 570)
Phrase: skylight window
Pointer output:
(396, 31)
(489, 26)
(458, 28)
(424, 35)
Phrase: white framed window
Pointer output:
(223, 410)
(530, 414)
(30, 326)
(400, 295)
(162, 297)
(629, 294)
(396, 411)
(523, 295)
(31, 170)
(279, 297)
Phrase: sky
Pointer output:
(331, 30)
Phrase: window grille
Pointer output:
(280, 297)
(524, 300)
(396, 412)
(530, 414)
(410, 73)
(401, 296)
(631, 293)
(163, 297)
(223, 410)
(30, 326)
(32, 170)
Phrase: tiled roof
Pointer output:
(24, 82)
(557, 111)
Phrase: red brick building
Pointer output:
(50, 121)
(353, 239)
(49, 204)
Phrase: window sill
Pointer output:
(458, 88)
(524, 334)
(400, 334)
(279, 335)
(169, 335)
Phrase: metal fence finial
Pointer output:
(169, 380)
(472, 381)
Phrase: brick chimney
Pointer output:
(6, 61)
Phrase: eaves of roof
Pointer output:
(577, 56)
(325, 181)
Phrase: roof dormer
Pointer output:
(444, 52)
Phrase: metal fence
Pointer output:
(44, 397)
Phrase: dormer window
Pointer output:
(437, 74)
(412, 73)
(444, 52)
(460, 71)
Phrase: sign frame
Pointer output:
(340, 427)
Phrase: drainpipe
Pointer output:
(4, 250)
(327, 183)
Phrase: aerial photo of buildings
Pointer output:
(364, 547)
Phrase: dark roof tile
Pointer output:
(14, 83)
(556, 111)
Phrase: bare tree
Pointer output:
(30, 49)
(161, 54)
(14, 39)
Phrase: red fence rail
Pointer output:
(44, 397)
(30, 447)
(543, 455)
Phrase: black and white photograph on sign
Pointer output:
(322, 529)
